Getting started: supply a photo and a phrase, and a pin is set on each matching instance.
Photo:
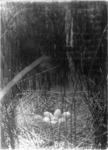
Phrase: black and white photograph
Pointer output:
(53, 75)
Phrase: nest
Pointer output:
(33, 132)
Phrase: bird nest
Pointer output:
(33, 132)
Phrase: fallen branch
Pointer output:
(20, 75)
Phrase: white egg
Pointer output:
(46, 119)
(54, 121)
(54, 118)
(57, 113)
(48, 114)
(66, 115)
(61, 120)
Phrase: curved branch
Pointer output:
(21, 74)
(11, 20)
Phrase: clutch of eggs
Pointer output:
(57, 117)
(53, 120)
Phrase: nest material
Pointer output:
(77, 131)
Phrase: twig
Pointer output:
(97, 50)
(11, 20)
(39, 74)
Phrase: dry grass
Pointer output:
(34, 133)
